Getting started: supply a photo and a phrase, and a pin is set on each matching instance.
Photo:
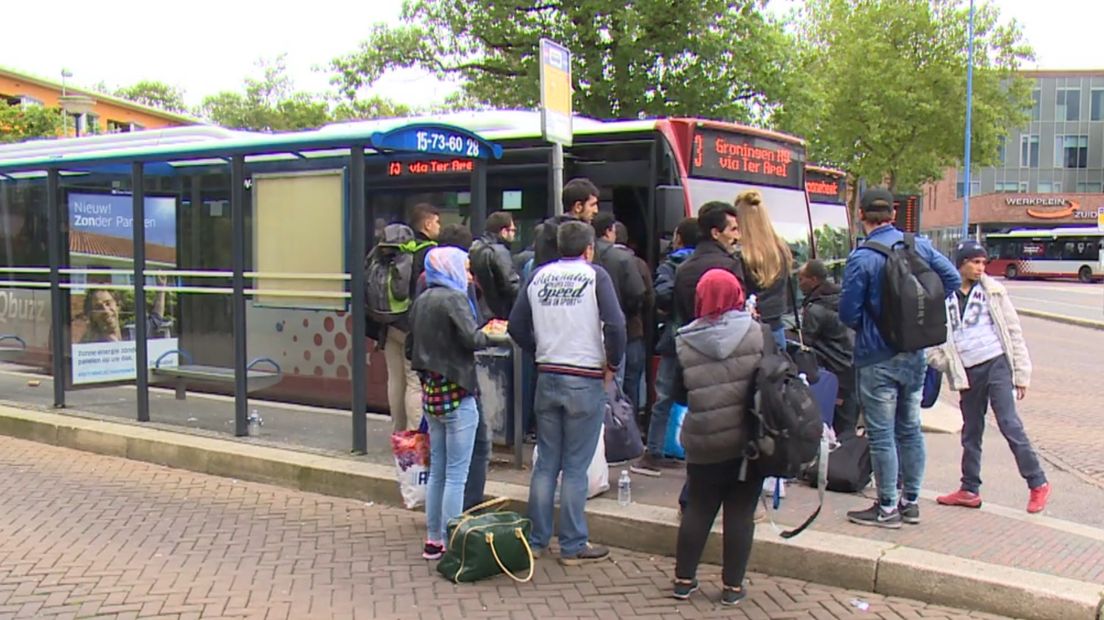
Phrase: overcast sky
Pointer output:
(207, 46)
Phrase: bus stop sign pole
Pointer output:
(555, 88)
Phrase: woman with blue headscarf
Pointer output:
(443, 338)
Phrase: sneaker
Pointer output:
(877, 517)
(961, 497)
(684, 588)
(433, 550)
(590, 553)
(910, 512)
(646, 465)
(537, 552)
(732, 596)
(1039, 497)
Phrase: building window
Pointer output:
(975, 188)
(1002, 150)
(28, 100)
(117, 126)
(1029, 151)
(1050, 187)
(1089, 188)
(137, 127)
(1036, 104)
(10, 100)
(1071, 151)
(1068, 105)
(1097, 107)
(1010, 187)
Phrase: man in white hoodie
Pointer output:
(985, 358)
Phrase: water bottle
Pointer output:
(255, 423)
(750, 304)
(624, 489)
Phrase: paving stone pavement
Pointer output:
(87, 536)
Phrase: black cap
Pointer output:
(968, 249)
(876, 199)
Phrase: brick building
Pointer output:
(1051, 172)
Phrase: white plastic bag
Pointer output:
(411, 451)
(597, 471)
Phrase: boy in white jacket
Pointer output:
(985, 359)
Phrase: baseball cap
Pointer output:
(876, 199)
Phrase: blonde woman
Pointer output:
(767, 261)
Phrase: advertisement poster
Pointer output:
(101, 229)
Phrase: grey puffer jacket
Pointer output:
(718, 360)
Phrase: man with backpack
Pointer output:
(492, 265)
(392, 271)
(620, 263)
(580, 202)
(894, 287)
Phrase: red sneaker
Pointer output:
(1039, 497)
(962, 498)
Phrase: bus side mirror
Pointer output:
(670, 207)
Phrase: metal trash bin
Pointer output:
(494, 371)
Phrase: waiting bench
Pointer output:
(189, 372)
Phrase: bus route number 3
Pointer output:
(447, 143)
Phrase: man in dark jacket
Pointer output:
(890, 382)
(492, 265)
(580, 202)
(636, 352)
(716, 250)
(620, 263)
(682, 247)
(831, 340)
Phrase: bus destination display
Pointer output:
(422, 167)
(825, 187)
(748, 159)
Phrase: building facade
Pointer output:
(1051, 172)
(105, 114)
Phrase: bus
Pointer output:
(829, 214)
(1068, 252)
(296, 195)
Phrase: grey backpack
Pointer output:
(388, 270)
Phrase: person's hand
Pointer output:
(609, 376)
(1021, 392)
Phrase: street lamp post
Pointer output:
(969, 128)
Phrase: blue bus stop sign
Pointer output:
(436, 139)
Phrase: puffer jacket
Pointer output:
(946, 359)
(718, 360)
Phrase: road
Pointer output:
(83, 535)
(1082, 301)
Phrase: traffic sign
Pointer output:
(555, 83)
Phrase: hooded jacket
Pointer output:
(823, 332)
(620, 263)
(707, 255)
(665, 299)
(493, 267)
(718, 359)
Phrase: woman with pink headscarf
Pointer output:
(718, 353)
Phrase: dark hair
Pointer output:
(578, 190)
(455, 235)
(876, 216)
(90, 294)
(498, 221)
(815, 269)
(422, 213)
(602, 223)
(714, 216)
(687, 231)
(573, 238)
(622, 233)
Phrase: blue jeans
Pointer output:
(528, 389)
(451, 438)
(569, 418)
(635, 358)
(480, 460)
(890, 392)
(666, 376)
(780, 338)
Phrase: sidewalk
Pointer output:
(998, 559)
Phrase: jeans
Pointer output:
(569, 418)
(451, 438)
(666, 376)
(991, 383)
(780, 338)
(635, 359)
(528, 390)
(404, 388)
(710, 487)
(890, 392)
(480, 460)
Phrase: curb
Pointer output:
(830, 559)
(1061, 318)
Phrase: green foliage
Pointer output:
(713, 58)
(155, 94)
(882, 92)
(832, 243)
(268, 104)
(19, 122)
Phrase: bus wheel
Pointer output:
(1011, 272)
(1085, 275)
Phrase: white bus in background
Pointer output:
(1046, 253)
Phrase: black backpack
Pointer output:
(388, 271)
(914, 312)
(546, 248)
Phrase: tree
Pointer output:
(155, 94)
(714, 58)
(26, 122)
(883, 87)
(268, 104)
(372, 107)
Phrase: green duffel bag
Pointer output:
(484, 543)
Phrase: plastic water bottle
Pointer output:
(751, 303)
(624, 488)
(255, 423)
